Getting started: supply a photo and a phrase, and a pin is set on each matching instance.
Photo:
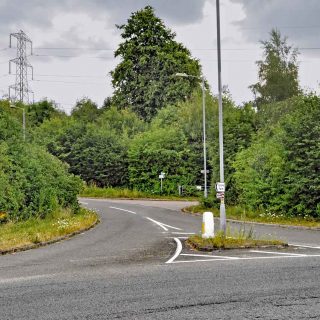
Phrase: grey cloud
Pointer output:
(40, 12)
(24, 14)
(297, 19)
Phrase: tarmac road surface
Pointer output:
(134, 265)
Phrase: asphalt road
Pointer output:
(133, 265)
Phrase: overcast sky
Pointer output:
(74, 41)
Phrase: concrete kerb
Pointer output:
(45, 243)
(287, 226)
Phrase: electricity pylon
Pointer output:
(21, 88)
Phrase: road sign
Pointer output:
(220, 195)
(161, 176)
(202, 171)
(199, 188)
(220, 187)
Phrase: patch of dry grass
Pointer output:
(236, 241)
(34, 231)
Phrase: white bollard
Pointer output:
(207, 225)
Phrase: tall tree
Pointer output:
(145, 78)
(278, 72)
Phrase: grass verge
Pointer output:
(118, 193)
(238, 213)
(33, 232)
(231, 242)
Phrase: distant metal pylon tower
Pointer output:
(21, 88)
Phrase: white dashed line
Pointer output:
(123, 210)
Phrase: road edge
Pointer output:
(45, 243)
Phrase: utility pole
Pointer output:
(21, 88)
(223, 224)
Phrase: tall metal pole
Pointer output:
(223, 225)
(204, 138)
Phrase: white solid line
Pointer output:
(279, 253)
(158, 223)
(182, 232)
(123, 210)
(166, 225)
(27, 278)
(208, 256)
(178, 251)
(162, 225)
(303, 246)
(248, 258)
(83, 202)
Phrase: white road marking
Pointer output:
(27, 278)
(183, 233)
(208, 256)
(248, 258)
(279, 253)
(303, 246)
(123, 210)
(86, 203)
(162, 225)
(178, 251)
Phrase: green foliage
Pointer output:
(145, 78)
(278, 72)
(37, 113)
(32, 182)
(279, 172)
(85, 111)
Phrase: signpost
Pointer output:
(161, 177)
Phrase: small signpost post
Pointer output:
(161, 177)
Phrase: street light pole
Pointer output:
(204, 139)
(223, 225)
(23, 120)
(205, 193)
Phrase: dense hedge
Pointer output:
(32, 181)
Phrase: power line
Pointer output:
(71, 82)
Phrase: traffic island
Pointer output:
(222, 242)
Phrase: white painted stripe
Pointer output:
(27, 278)
(182, 232)
(158, 223)
(123, 210)
(83, 202)
(171, 227)
(249, 258)
(208, 256)
(178, 251)
(162, 225)
(303, 246)
(279, 253)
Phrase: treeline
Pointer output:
(153, 124)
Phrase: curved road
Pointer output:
(133, 265)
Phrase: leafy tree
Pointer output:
(278, 72)
(85, 111)
(145, 78)
(38, 112)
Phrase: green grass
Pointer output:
(237, 240)
(34, 231)
(119, 193)
(238, 213)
